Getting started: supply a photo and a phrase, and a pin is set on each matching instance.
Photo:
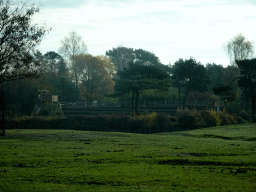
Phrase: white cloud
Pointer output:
(170, 29)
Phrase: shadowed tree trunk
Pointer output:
(3, 111)
(133, 92)
(185, 97)
(137, 102)
(253, 108)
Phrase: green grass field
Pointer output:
(211, 159)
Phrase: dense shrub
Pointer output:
(185, 119)
(233, 107)
(189, 121)
(163, 123)
(203, 118)
(143, 123)
(209, 119)
(148, 119)
(115, 122)
(225, 118)
(244, 115)
(239, 120)
(146, 123)
(206, 118)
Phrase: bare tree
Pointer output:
(18, 40)
(238, 48)
(72, 46)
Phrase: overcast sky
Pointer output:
(170, 29)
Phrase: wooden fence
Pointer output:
(124, 107)
(165, 103)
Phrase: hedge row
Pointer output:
(146, 123)
(115, 123)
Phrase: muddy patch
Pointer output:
(191, 154)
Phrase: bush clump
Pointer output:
(146, 123)
(204, 118)
(185, 120)
(245, 116)
(163, 123)
(207, 118)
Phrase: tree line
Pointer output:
(98, 78)
(122, 73)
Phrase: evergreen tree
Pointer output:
(247, 81)
(189, 75)
(138, 77)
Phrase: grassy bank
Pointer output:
(210, 159)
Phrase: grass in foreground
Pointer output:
(212, 159)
